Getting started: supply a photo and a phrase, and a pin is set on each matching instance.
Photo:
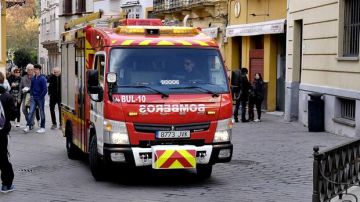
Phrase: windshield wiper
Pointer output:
(146, 87)
(198, 87)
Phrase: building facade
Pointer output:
(53, 15)
(49, 50)
(323, 57)
(137, 9)
(255, 39)
(111, 8)
(209, 15)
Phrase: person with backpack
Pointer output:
(38, 91)
(7, 114)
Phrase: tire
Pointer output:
(71, 149)
(204, 171)
(96, 164)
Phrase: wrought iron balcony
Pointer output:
(173, 5)
(12, 3)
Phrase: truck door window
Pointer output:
(100, 66)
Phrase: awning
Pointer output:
(211, 32)
(269, 27)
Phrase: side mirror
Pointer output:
(94, 89)
(92, 78)
(111, 78)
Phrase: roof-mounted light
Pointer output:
(149, 30)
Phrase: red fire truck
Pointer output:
(144, 94)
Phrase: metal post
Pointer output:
(316, 191)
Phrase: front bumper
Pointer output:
(137, 156)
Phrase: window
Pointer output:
(347, 109)
(170, 70)
(80, 8)
(351, 28)
(137, 16)
(100, 66)
(67, 8)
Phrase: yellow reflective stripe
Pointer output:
(127, 42)
(189, 157)
(145, 42)
(176, 164)
(185, 43)
(164, 157)
(113, 41)
(165, 43)
(201, 43)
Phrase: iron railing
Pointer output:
(347, 109)
(335, 170)
(170, 5)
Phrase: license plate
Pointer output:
(172, 134)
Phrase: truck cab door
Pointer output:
(97, 108)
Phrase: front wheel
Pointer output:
(204, 171)
(96, 163)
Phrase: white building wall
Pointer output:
(137, 7)
(110, 7)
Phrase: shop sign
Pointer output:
(211, 32)
(270, 27)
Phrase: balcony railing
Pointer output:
(335, 170)
(163, 6)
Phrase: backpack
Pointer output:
(2, 117)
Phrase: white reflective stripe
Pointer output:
(139, 162)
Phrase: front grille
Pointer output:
(152, 128)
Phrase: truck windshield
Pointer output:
(168, 70)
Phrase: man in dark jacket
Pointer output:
(243, 91)
(8, 104)
(54, 92)
(38, 91)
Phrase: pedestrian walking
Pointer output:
(25, 85)
(38, 90)
(243, 97)
(8, 108)
(14, 81)
(54, 91)
(256, 97)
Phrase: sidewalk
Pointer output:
(355, 190)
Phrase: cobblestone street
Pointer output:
(272, 161)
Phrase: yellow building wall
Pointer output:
(270, 62)
(275, 8)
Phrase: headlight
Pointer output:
(223, 131)
(115, 132)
